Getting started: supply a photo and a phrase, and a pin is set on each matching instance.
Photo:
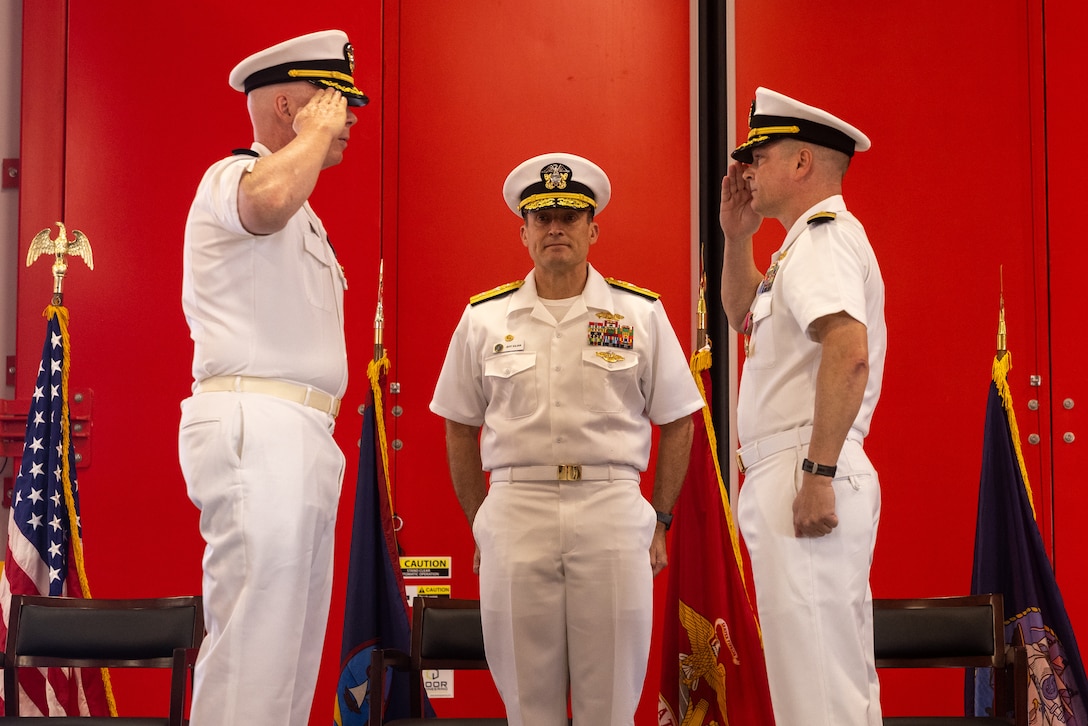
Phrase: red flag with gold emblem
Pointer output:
(712, 655)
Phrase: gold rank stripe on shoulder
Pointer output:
(821, 217)
(650, 294)
(495, 292)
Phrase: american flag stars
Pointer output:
(39, 510)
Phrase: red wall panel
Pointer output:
(1066, 102)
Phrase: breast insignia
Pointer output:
(648, 294)
(821, 218)
(496, 292)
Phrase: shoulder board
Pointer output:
(495, 292)
(243, 152)
(821, 217)
(650, 294)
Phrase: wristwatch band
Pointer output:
(818, 469)
(665, 518)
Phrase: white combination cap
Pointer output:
(324, 58)
(776, 116)
(556, 180)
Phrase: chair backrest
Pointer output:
(447, 633)
(61, 632)
(964, 631)
(947, 632)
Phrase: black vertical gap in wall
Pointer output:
(714, 148)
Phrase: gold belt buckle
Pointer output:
(740, 463)
(568, 472)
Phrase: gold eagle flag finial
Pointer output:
(61, 248)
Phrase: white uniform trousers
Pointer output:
(566, 593)
(812, 594)
(266, 476)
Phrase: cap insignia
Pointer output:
(349, 55)
(555, 176)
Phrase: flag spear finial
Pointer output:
(1001, 318)
(702, 340)
(379, 315)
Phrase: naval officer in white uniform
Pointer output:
(263, 295)
(815, 342)
(552, 384)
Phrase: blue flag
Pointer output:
(1010, 559)
(376, 611)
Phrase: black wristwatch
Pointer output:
(665, 518)
(818, 469)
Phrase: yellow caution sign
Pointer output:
(416, 567)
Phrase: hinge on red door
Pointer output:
(13, 416)
(10, 368)
(9, 178)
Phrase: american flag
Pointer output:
(44, 552)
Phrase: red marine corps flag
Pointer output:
(712, 655)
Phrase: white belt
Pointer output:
(756, 451)
(747, 456)
(306, 395)
(565, 472)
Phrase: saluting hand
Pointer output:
(738, 219)
(326, 111)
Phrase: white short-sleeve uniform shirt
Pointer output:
(270, 306)
(824, 267)
(548, 392)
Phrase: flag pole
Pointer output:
(375, 370)
(62, 248)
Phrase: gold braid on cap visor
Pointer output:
(760, 134)
(324, 76)
(540, 201)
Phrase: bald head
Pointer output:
(272, 110)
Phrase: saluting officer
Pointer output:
(263, 295)
(815, 344)
(551, 384)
